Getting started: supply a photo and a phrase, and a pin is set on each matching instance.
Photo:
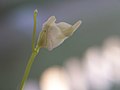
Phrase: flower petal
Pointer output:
(53, 39)
(63, 26)
(68, 29)
(76, 25)
(50, 20)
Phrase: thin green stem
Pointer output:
(35, 51)
(28, 67)
(34, 30)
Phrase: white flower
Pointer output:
(53, 34)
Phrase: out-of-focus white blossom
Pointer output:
(98, 70)
(54, 78)
(76, 73)
(111, 51)
(53, 34)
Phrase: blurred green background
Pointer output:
(100, 19)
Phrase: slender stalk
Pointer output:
(28, 67)
(33, 55)
(34, 30)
